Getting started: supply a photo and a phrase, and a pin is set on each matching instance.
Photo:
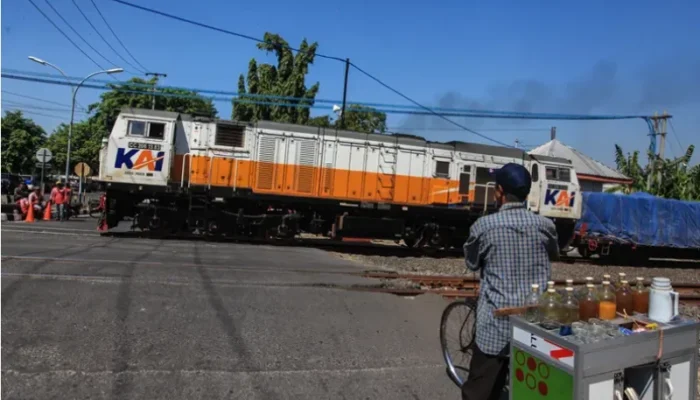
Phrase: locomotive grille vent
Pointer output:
(229, 135)
(307, 164)
(266, 162)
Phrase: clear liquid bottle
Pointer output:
(550, 285)
(607, 306)
(532, 315)
(569, 311)
(550, 309)
(640, 297)
(588, 306)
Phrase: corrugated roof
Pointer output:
(582, 163)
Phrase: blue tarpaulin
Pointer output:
(642, 219)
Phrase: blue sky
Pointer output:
(590, 57)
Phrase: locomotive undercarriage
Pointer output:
(246, 215)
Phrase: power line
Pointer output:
(426, 108)
(66, 36)
(38, 99)
(673, 130)
(117, 37)
(543, 129)
(102, 37)
(203, 25)
(10, 102)
(78, 34)
(38, 113)
(469, 113)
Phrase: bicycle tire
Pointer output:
(451, 368)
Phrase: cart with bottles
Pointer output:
(613, 359)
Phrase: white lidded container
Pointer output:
(663, 301)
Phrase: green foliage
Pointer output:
(669, 178)
(286, 79)
(88, 134)
(21, 138)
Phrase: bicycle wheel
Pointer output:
(457, 334)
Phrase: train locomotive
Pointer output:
(172, 172)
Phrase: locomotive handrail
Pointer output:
(211, 167)
(182, 175)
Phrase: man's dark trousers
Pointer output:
(487, 375)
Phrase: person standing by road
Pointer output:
(57, 198)
(511, 249)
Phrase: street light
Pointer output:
(75, 91)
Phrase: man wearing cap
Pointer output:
(511, 249)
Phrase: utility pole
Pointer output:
(156, 74)
(659, 123)
(345, 93)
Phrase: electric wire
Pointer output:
(78, 34)
(207, 26)
(460, 112)
(673, 131)
(105, 40)
(65, 35)
(38, 99)
(117, 37)
(9, 102)
(64, 119)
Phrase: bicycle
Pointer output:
(458, 373)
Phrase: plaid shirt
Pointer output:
(511, 248)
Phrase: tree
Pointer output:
(21, 138)
(286, 79)
(87, 135)
(364, 119)
(357, 118)
(669, 178)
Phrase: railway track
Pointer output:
(465, 287)
(368, 247)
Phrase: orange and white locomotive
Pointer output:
(174, 172)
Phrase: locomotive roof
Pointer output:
(397, 138)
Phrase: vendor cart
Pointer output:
(659, 364)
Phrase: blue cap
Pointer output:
(514, 179)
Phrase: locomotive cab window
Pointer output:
(152, 130)
(558, 174)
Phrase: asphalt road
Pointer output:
(85, 316)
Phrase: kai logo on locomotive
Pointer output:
(559, 198)
(138, 159)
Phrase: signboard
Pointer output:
(532, 378)
(43, 165)
(544, 347)
(82, 169)
(43, 155)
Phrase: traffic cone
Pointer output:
(47, 211)
(30, 214)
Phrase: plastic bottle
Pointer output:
(640, 297)
(588, 306)
(569, 311)
(607, 306)
(532, 315)
(550, 309)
